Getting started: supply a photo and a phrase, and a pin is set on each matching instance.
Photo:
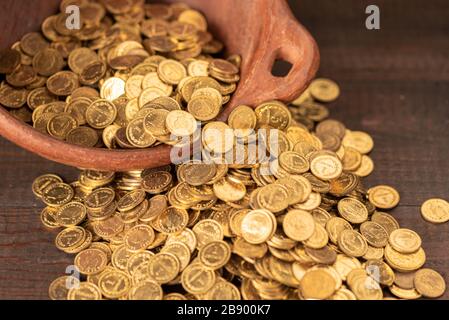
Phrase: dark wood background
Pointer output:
(395, 85)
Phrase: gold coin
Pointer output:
(70, 238)
(42, 182)
(352, 243)
(366, 288)
(380, 271)
(358, 140)
(114, 284)
(383, 197)
(181, 123)
(100, 198)
(218, 137)
(171, 71)
(229, 189)
(319, 238)
(402, 293)
(13, 98)
(163, 267)
(366, 167)
(57, 194)
(405, 280)
(91, 261)
(148, 290)
(243, 120)
(139, 238)
(85, 291)
(374, 234)
(186, 236)
(155, 122)
(48, 218)
(59, 288)
(131, 200)
(298, 225)
(273, 197)
(173, 220)
(181, 251)
(215, 255)
(60, 125)
(112, 89)
(63, 83)
(317, 284)
(404, 261)
(206, 231)
(385, 220)
(324, 90)
(274, 114)
(10, 60)
(353, 210)
(101, 114)
(137, 135)
(133, 87)
(71, 214)
(223, 290)
(258, 226)
(405, 240)
(429, 283)
(435, 210)
(299, 188)
(196, 279)
(326, 167)
(80, 58)
(205, 108)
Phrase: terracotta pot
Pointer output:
(261, 31)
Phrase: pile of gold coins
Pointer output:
(300, 225)
(123, 79)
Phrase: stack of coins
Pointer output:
(123, 80)
(298, 224)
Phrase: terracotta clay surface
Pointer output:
(261, 31)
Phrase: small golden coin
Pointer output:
(353, 210)
(148, 290)
(13, 98)
(293, 162)
(319, 238)
(380, 271)
(196, 279)
(91, 261)
(48, 218)
(326, 167)
(63, 83)
(273, 114)
(80, 58)
(133, 87)
(71, 214)
(137, 135)
(223, 290)
(366, 167)
(173, 220)
(429, 283)
(57, 194)
(324, 90)
(405, 280)
(435, 210)
(85, 291)
(383, 197)
(409, 294)
(375, 235)
(101, 114)
(352, 243)
(243, 120)
(405, 240)
(198, 174)
(181, 123)
(404, 262)
(186, 236)
(42, 182)
(205, 108)
(171, 71)
(206, 231)
(48, 62)
(100, 198)
(131, 200)
(163, 267)
(59, 288)
(385, 220)
(215, 255)
(181, 251)
(317, 284)
(358, 140)
(273, 197)
(298, 225)
(366, 288)
(114, 284)
(112, 89)
(139, 238)
(229, 189)
(218, 137)
(299, 188)
(258, 226)
(155, 122)
(70, 238)
(60, 125)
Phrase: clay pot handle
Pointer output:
(282, 39)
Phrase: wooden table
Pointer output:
(395, 85)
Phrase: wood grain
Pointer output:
(395, 85)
